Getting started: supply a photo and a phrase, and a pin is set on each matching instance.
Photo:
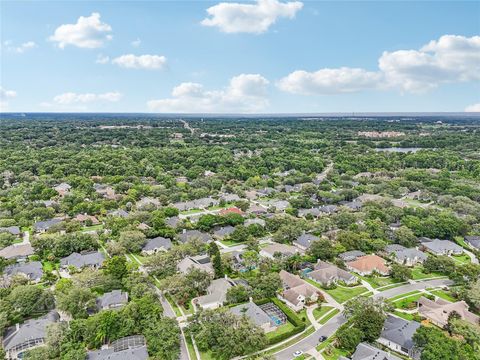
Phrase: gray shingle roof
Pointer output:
(139, 353)
(365, 351)
(400, 331)
(157, 243)
(33, 270)
(441, 246)
(254, 312)
(306, 240)
(194, 234)
(114, 297)
(14, 230)
(95, 258)
(351, 255)
(45, 225)
(473, 241)
(224, 231)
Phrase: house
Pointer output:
(196, 204)
(201, 262)
(216, 294)
(258, 316)
(259, 222)
(279, 205)
(189, 235)
(328, 274)
(173, 221)
(305, 240)
(92, 259)
(223, 232)
(473, 241)
(282, 250)
(112, 300)
(62, 189)
(296, 293)
(43, 226)
(438, 311)
(156, 244)
(86, 219)
(353, 205)
(106, 191)
(118, 213)
(228, 198)
(26, 336)
(397, 334)
(13, 230)
(366, 265)
(405, 256)
(257, 209)
(441, 247)
(147, 202)
(32, 270)
(351, 255)
(17, 251)
(315, 212)
(366, 351)
(231, 210)
(328, 209)
(127, 348)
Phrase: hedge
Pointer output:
(280, 337)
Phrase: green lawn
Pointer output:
(341, 294)
(463, 259)
(49, 266)
(329, 316)
(92, 228)
(230, 243)
(173, 304)
(281, 330)
(419, 274)
(403, 295)
(403, 315)
(190, 212)
(310, 330)
(408, 302)
(377, 281)
(317, 313)
(190, 348)
(443, 295)
(334, 354)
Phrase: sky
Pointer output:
(264, 56)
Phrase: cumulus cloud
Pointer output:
(102, 59)
(74, 98)
(149, 62)
(473, 108)
(451, 58)
(20, 49)
(249, 18)
(88, 32)
(329, 81)
(6, 95)
(245, 93)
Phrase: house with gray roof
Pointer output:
(127, 348)
(305, 240)
(26, 336)
(173, 222)
(258, 316)
(118, 213)
(189, 235)
(473, 241)
(92, 259)
(157, 244)
(43, 226)
(351, 255)
(315, 212)
(397, 334)
(327, 274)
(114, 299)
(201, 262)
(279, 205)
(405, 256)
(32, 270)
(19, 252)
(441, 247)
(13, 230)
(223, 232)
(328, 209)
(366, 351)
(281, 250)
(216, 294)
(255, 221)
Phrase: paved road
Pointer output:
(334, 323)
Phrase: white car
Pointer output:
(297, 353)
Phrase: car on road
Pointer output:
(297, 353)
(322, 338)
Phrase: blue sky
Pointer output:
(262, 57)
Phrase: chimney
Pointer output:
(184, 231)
(17, 326)
(250, 299)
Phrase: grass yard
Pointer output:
(281, 330)
(191, 212)
(407, 303)
(49, 266)
(309, 331)
(403, 315)
(329, 316)
(377, 281)
(230, 243)
(403, 295)
(418, 273)
(318, 313)
(462, 259)
(443, 295)
(92, 228)
(334, 354)
(343, 294)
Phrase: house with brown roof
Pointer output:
(366, 265)
(231, 210)
(296, 293)
(86, 219)
(438, 311)
(327, 274)
(19, 251)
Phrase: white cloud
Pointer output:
(136, 43)
(6, 95)
(245, 93)
(451, 58)
(102, 59)
(88, 32)
(149, 62)
(74, 98)
(473, 108)
(249, 18)
(329, 81)
(8, 45)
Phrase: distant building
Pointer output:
(156, 244)
(32, 270)
(368, 264)
(276, 249)
(13, 230)
(18, 252)
(305, 240)
(43, 226)
(398, 334)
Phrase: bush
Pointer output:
(280, 337)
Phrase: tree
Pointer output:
(240, 234)
(116, 266)
(322, 249)
(28, 300)
(439, 264)
(237, 294)
(216, 259)
(265, 285)
(132, 240)
(435, 344)
(77, 301)
(163, 339)
(405, 236)
(349, 337)
(368, 315)
(400, 272)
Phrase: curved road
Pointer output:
(334, 323)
